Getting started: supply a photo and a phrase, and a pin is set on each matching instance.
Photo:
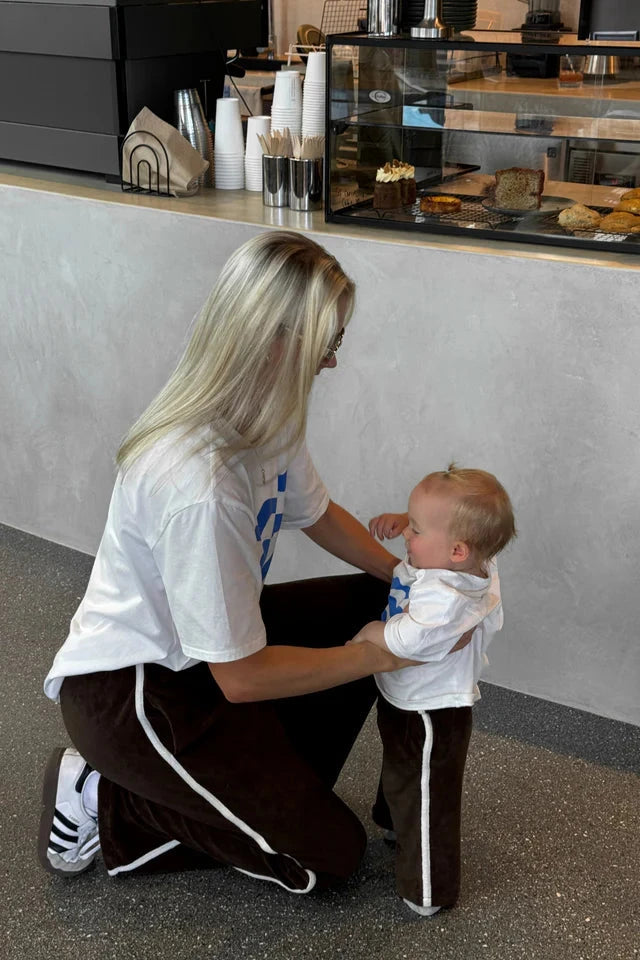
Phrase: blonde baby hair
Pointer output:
(482, 515)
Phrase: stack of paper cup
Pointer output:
(253, 152)
(314, 95)
(286, 110)
(228, 145)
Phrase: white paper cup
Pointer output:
(237, 184)
(287, 90)
(316, 66)
(255, 126)
(286, 119)
(314, 91)
(228, 130)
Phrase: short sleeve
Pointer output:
(306, 497)
(435, 619)
(208, 559)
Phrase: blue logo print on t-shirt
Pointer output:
(268, 523)
(398, 595)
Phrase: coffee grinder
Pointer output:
(542, 25)
(543, 15)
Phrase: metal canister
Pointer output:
(275, 181)
(382, 17)
(305, 184)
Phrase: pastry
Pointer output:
(631, 194)
(630, 205)
(579, 217)
(620, 222)
(407, 180)
(387, 193)
(518, 188)
(440, 204)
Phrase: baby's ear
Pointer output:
(460, 552)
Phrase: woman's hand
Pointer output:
(373, 633)
(387, 526)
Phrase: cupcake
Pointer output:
(387, 193)
(407, 181)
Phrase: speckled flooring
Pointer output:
(551, 837)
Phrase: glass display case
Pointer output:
(508, 138)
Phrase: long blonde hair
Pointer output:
(256, 346)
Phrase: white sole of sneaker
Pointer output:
(49, 791)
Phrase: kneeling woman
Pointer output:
(211, 717)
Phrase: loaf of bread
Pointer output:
(631, 194)
(440, 204)
(620, 222)
(518, 188)
(579, 217)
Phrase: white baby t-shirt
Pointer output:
(428, 612)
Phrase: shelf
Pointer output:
(625, 90)
(477, 184)
(490, 121)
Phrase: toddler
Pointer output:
(445, 592)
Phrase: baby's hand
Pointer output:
(388, 525)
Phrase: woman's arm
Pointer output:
(373, 632)
(346, 538)
(275, 672)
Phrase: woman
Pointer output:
(211, 718)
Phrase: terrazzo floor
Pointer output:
(551, 834)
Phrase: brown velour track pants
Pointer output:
(420, 797)
(189, 779)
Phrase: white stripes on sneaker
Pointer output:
(65, 837)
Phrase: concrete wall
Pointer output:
(523, 365)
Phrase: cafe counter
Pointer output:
(514, 358)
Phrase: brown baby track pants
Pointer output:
(420, 798)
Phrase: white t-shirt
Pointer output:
(185, 550)
(428, 612)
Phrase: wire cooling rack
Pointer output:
(342, 16)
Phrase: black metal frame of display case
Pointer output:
(403, 41)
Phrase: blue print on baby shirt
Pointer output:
(398, 595)
(268, 523)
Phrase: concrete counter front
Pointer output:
(520, 360)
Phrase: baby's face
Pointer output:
(427, 536)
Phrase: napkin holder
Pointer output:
(151, 159)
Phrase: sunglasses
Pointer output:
(335, 346)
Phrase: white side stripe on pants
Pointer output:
(425, 834)
(203, 792)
